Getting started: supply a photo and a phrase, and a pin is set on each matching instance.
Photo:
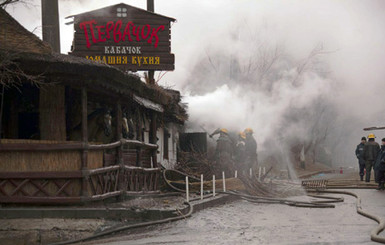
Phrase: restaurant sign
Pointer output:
(124, 36)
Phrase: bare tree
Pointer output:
(4, 3)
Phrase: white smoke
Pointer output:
(214, 42)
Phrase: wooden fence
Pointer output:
(126, 172)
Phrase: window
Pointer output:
(121, 12)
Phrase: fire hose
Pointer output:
(257, 199)
(374, 235)
(127, 227)
(315, 204)
(312, 204)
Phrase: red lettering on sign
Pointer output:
(83, 26)
(154, 34)
(109, 27)
(127, 31)
(148, 31)
(117, 32)
(141, 33)
(136, 32)
(100, 33)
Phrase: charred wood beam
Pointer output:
(119, 131)
(41, 200)
(42, 175)
(40, 147)
(72, 146)
(153, 139)
(84, 189)
(102, 170)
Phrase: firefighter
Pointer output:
(223, 151)
(359, 155)
(250, 150)
(380, 167)
(371, 149)
(240, 147)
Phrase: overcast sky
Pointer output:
(352, 30)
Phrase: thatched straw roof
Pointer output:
(36, 58)
(14, 36)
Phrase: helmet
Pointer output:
(242, 135)
(371, 136)
(223, 130)
(248, 131)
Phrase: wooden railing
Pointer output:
(64, 187)
(73, 146)
(40, 187)
(80, 185)
(141, 179)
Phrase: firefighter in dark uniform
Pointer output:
(251, 150)
(371, 149)
(239, 154)
(359, 154)
(223, 151)
(380, 167)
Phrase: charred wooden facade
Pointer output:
(55, 109)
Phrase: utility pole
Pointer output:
(151, 73)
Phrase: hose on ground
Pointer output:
(374, 235)
(127, 227)
(312, 204)
(168, 182)
(255, 199)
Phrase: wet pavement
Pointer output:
(242, 222)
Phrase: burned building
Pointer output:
(73, 129)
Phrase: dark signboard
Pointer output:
(124, 36)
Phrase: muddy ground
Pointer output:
(45, 231)
(247, 223)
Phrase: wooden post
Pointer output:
(138, 156)
(84, 140)
(139, 131)
(153, 139)
(52, 120)
(119, 136)
(1, 107)
(119, 132)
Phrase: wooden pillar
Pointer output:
(52, 121)
(119, 132)
(138, 156)
(13, 120)
(84, 140)
(140, 138)
(153, 139)
(119, 151)
(1, 107)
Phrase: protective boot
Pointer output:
(381, 186)
(367, 177)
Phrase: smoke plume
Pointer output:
(298, 72)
